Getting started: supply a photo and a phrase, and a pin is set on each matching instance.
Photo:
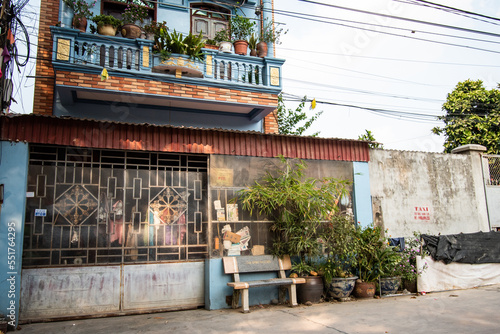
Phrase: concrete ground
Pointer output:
(462, 311)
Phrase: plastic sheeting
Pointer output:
(441, 277)
(465, 248)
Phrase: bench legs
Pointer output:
(292, 294)
(244, 300)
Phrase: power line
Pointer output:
(454, 9)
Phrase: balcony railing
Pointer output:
(135, 55)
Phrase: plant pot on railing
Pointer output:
(240, 47)
(80, 23)
(226, 47)
(106, 30)
(130, 30)
(262, 49)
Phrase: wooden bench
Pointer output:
(237, 265)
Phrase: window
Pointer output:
(209, 19)
(115, 8)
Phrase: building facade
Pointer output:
(118, 189)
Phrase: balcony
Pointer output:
(74, 50)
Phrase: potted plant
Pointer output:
(369, 245)
(252, 45)
(211, 43)
(133, 18)
(269, 34)
(297, 206)
(341, 245)
(106, 24)
(223, 40)
(241, 29)
(81, 12)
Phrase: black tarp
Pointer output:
(471, 248)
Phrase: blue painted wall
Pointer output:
(14, 176)
(361, 193)
(216, 288)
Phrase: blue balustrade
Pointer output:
(123, 55)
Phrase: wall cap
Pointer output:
(469, 148)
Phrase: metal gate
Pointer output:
(491, 173)
(113, 231)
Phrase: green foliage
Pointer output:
(289, 120)
(370, 243)
(271, 34)
(241, 27)
(155, 28)
(252, 42)
(222, 35)
(339, 238)
(101, 20)
(368, 136)
(134, 14)
(472, 117)
(81, 8)
(297, 205)
(167, 43)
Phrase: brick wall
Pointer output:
(271, 123)
(44, 83)
(164, 88)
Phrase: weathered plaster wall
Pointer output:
(426, 192)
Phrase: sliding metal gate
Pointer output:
(491, 172)
(113, 231)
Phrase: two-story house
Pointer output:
(119, 189)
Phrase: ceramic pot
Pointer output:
(341, 287)
(80, 23)
(132, 31)
(225, 47)
(311, 290)
(410, 286)
(364, 289)
(240, 47)
(106, 30)
(389, 285)
(253, 52)
(262, 49)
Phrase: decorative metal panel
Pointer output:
(109, 207)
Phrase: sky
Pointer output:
(392, 76)
(370, 69)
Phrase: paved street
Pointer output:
(462, 311)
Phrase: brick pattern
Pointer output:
(271, 123)
(164, 88)
(44, 83)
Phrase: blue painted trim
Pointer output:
(361, 193)
(172, 6)
(14, 177)
(89, 69)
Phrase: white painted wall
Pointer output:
(427, 192)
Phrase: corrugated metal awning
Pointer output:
(163, 138)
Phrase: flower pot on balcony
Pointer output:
(262, 49)
(80, 23)
(130, 30)
(106, 30)
(225, 47)
(240, 47)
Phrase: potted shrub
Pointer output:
(341, 244)
(297, 206)
(211, 44)
(81, 12)
(370, 243)
(268, 35)
(133, 18)
(152, 29)
(106, 24)
(241, 29)
(252, 45)
(223, 40)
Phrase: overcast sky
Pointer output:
(392, 76)
(361, 68)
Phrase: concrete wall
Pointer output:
(427, 192)
(13, 176)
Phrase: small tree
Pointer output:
(368, 136)
(297, 205)
(289, 120)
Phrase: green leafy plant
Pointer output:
(297, 205)
(341, 244)
(271, 34)
(81, 8)
(101, 20)
(241, 27)
(252, 42)
(368, 136)
(370, 242)
(155, 27)
(134, 14)
(222, 35)
(167, 43)
(294, 122)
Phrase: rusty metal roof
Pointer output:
(68, 131)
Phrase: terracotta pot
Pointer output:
(80, 23)
(211, 47)
(106, 30)
(364, 289)
(253, 52)
(262, 49)
(132, 31)
(310, 291)
(240, 47)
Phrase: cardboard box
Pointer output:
(233, 237)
